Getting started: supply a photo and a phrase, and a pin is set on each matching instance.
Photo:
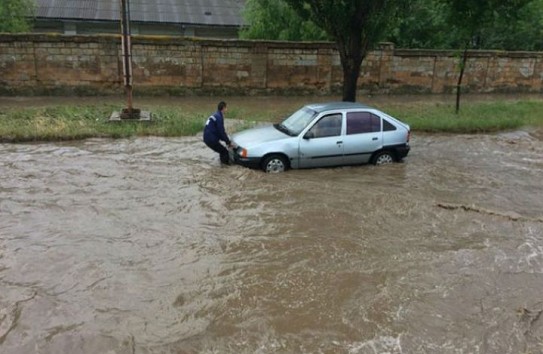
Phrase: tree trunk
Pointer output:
(351, 57)
(350, 83)
(459, 83)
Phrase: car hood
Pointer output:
(258, 135)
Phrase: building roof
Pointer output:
(195, 12)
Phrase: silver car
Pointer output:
(321, 135)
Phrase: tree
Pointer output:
(422, 25)
(356, 26)
(522, 31)
(276, 20)
(469, 18)
(15, 15)
(427, 25)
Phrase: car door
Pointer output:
(362, 138)
(322, 145)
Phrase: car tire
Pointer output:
(275, 164)
(383, 158)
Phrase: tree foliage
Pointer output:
(519, 28)
(15, 15)
(276, 20)
(355, 26)
(445, 24)
(470, 18)
(423, 24)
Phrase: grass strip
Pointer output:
(73, 122)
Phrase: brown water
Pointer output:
(147, 245)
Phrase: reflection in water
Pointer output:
(147, 245)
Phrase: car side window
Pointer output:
(362, 122)
(327, 126)
(387, 126)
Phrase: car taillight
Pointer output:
(243, 152)
(408, 135)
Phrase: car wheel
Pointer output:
(275, 164)
(383, 158)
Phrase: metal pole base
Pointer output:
(133, 115)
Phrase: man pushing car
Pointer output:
(214, 133)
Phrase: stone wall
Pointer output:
(91, 65)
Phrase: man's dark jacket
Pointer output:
(214, 129)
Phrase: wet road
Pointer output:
(147, 245)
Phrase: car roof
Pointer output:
(328, 106)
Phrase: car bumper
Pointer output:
(251, 162)
(402, 151)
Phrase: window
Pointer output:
(362, 122)
(299, 120)
(327, 126)
(387, 126)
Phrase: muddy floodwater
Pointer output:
(148, 245)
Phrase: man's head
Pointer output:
(222, 106)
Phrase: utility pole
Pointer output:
(128, 113)
(126, 52)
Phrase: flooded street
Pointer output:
(147, 245)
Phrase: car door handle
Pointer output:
(339, 142)
(376, 138)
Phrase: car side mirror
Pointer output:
(309, 135)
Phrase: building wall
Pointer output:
(86, 27)
(91, 65)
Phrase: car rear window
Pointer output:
(362, 122)
(387, 126)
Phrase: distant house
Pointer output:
(197, 18)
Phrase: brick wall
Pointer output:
(91, 65)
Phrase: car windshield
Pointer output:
(298, 120)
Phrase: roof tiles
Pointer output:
(203, 12)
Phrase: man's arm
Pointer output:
(222, 132)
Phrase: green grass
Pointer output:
(481, 117)
(80, 122)
(71, 122)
